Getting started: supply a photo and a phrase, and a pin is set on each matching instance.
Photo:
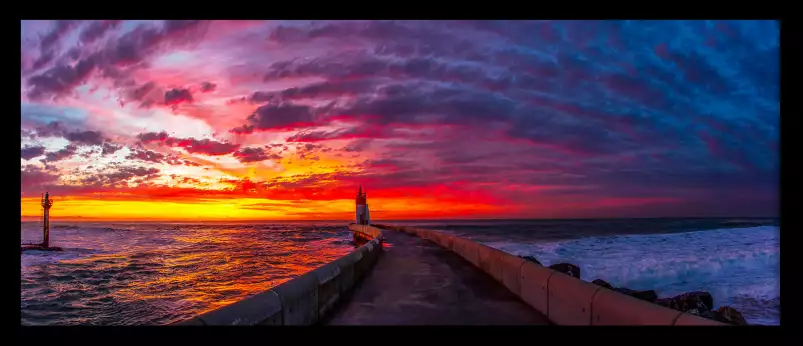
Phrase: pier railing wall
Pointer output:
(564, 299)
(305, 299)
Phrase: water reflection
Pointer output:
(159, 274)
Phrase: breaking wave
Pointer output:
(740, 267)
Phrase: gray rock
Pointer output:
(531, 259)
(603, 283)
(567, 268)
(702, 301)
(648, 295)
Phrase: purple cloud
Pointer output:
(30, 152)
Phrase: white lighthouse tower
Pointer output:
(363, 215)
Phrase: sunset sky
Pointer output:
(241, 120)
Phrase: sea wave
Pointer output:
(111, 274)
(739, 266)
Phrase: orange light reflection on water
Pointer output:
(221, 277)
(186, 272)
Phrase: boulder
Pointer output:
(710, 314)
(648, 295)
(699, 301)
(603, 283)
(725, 314)
(531, 259)
(566, 268)
(731, 315)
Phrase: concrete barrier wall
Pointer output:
(467, 249)
(570, 300)
(564, 299)
(348, 276)
(534, 285)
(446, 240)
(261, 309)
(611, 308)
(491, 261)
(686, 319)
(511, 273)
(305, 299)
(328, 287)
(299, 300)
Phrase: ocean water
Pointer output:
(148, 273)
(154, 274)
(737, 261)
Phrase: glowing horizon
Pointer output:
(270, 120)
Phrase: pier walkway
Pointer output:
(417, 282)
(411, 276)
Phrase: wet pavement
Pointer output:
(417, 282)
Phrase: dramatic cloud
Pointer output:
(85, 137)
(208, 87)
(52, 129)
(28, 153)
(278, 117)
(177, 96)
(61, 154)
(61, 28)
(97, 29)
(33, 177)
(191, 145)
(109, 148)
(469, 118)
(146, 155)
(128, 50)
(246, 155)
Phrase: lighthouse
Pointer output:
(363, 215)
(47, 203)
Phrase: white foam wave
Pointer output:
(740, 266)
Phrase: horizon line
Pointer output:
(89, 219)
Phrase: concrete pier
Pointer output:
(417, 282)
(412, 276)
